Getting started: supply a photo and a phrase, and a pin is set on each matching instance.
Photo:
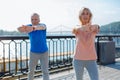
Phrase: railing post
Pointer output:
(98, 51)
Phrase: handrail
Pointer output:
(61, 52)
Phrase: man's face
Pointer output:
(35, 20)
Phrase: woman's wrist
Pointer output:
(86, 29)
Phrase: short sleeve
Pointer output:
(29, 25)
(44, 25)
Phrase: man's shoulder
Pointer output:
(42, 24)
(29, 24)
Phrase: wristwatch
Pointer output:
(33, 28)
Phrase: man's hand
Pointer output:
(29, 29)
(25, 29)
(22, 28)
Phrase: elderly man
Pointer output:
(38, 49)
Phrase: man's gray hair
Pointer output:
(35, 14)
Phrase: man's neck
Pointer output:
(35, 24)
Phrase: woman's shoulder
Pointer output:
(95, 25)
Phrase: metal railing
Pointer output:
(14, 52)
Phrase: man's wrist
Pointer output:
(33, 28)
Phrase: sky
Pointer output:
(56, 13)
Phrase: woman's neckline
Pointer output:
(88, 24)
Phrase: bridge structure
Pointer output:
(60, 29)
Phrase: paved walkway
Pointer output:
(108, 72)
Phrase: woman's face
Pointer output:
(85, 16)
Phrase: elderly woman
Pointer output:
(85, 53)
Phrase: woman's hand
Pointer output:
(75, 31)
(95, 28)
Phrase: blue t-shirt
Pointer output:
(38, 40)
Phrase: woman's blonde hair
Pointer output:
(81, 11)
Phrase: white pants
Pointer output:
(34, 57)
